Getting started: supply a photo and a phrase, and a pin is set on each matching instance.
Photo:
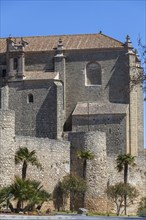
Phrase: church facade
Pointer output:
(63, 93)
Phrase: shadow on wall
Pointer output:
(46, 118)
(0, 98)
(119, 82)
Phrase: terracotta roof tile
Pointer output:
(80, 41)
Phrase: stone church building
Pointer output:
(63, 93)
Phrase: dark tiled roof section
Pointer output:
(38, 75)
(94, 108)
(80, 41)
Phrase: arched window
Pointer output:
(30, 98)
(93, 74)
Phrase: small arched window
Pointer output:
(93, 74)
(30, 98)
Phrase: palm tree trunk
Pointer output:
(125, 173)
(18, 206)
(24, 169)
(84, 169)
(125, 181)
(84, 177)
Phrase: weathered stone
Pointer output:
(82, 211)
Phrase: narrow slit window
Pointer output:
(15, 63)
(30, 98)
(4, 73)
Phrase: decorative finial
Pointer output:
(128, 38)
(60, 41)
(59, 48)
(137, 58)
(60, 44)
(128, 42)
(23, 42)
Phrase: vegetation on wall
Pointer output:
(25, 193)
(118, 192)
(85, 155)
(123, 162)
(71, 186)
(142, 207)
(24, 156)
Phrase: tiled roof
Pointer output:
(94, 108)
(80, 41)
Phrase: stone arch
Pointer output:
(93, 74)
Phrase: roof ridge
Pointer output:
(111, 38)
(65, 35)
(70, 41)
(53, 35)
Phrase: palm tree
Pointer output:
(23, 155)
(37, 195)
(28, 191)
(123, 162)
(20, 191)
(85, 155)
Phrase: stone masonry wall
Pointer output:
(101, 171)
(136, 177)
(140, 120)
(42, 61)
(114, 74)
(7, 147)
(96, 171)
(113, 124)
(53, 155)
(37, 118)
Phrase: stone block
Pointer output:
(82, 211)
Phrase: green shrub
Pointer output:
(142, 207)
(142, 213)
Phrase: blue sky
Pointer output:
(38, 17)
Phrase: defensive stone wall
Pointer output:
(136, 177)
(7, 147)
(140, 120)
(54, 155)
(101, 171)
(96, 170)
